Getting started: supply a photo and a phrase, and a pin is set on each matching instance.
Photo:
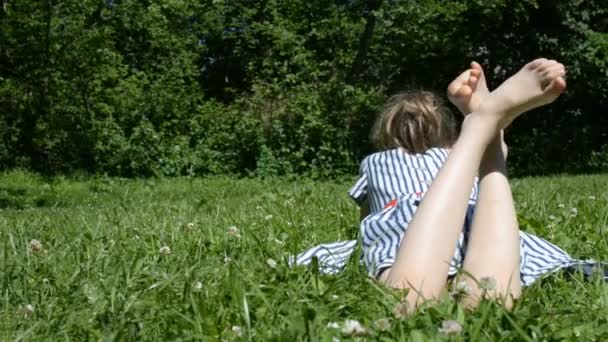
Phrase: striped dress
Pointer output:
(393, 183)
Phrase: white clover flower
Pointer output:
(352, 327)
(35, 245)
(333, 325)
(463, 288)
(237, 330)
(487, 283)
(592, 198)
(268, 217)
(551, 217)
(190, 226)
(561, 206)
(290, 202)
(450, 328)
(197, 285)
(573, 212)
(25, 311)
(524, 205)
(271, 263)
(227, 260)
(402, 309)
(165, 250)
(259, 208)
(234, 232)
(335, 339)
(382, 324)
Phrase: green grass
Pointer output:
(100, 274)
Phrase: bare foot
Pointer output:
(469, 89)
(538, 83)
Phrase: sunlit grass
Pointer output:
(193, 259)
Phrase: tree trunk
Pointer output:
(365, 40)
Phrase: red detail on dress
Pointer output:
(391, 204)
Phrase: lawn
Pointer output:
(206, 259)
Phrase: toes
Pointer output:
(476, 66)
(456, 84)
(548, 64)
(464, 91)
(536, 63)
(557, 69)
(556, 86)
(550, 74)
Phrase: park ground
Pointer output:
(97, 258)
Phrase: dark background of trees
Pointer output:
(140, 88)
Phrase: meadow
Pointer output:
(97, 258)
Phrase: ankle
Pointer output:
(484, 127)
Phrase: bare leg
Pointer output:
(426, 250)
(493, 249)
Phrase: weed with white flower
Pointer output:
(352, 327)
(450, 328)
(487, 283)
(234, 232)
(382, 324)
(35, 246)
(271, 263)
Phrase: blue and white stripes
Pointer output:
(393, 183)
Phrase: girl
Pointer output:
(450, 194)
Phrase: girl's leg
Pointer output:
(427, 248)
(495, 234)
(493, 247)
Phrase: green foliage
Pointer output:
(276, 87)
(100, 274)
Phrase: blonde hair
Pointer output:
(415, 121)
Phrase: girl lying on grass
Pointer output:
(449, 193)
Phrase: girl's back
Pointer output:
(394, 173)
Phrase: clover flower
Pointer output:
(487, 283)
(352, 327)
(35, 246)
(463, 288)
(234, 232)
(237, 330)
(402, 309)
(271, 263)
(333, 325)
(164, 250)
(450, 328)
(25, 311)
(382, 324)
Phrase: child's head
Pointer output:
(414, 121)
